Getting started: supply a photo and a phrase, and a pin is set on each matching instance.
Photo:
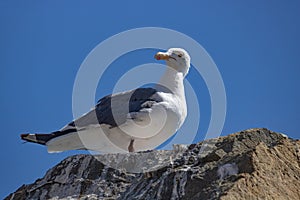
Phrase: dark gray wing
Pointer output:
(113, 109)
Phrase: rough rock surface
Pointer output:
(252, 164)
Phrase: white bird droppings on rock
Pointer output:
(227, 170)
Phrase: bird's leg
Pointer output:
(130, 147)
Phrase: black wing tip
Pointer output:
(24, 135)
(34, 138)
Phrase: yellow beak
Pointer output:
(161, 56)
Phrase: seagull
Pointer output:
(130, 121)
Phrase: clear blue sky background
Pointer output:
(255, 45)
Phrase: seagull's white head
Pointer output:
(176, 58)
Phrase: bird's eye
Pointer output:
(180, 55)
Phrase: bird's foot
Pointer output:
(130, 147)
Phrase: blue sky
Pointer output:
(255, 45)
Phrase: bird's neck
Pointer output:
(173, 81)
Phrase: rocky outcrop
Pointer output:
(252, 164)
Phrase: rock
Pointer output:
(252, 164)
